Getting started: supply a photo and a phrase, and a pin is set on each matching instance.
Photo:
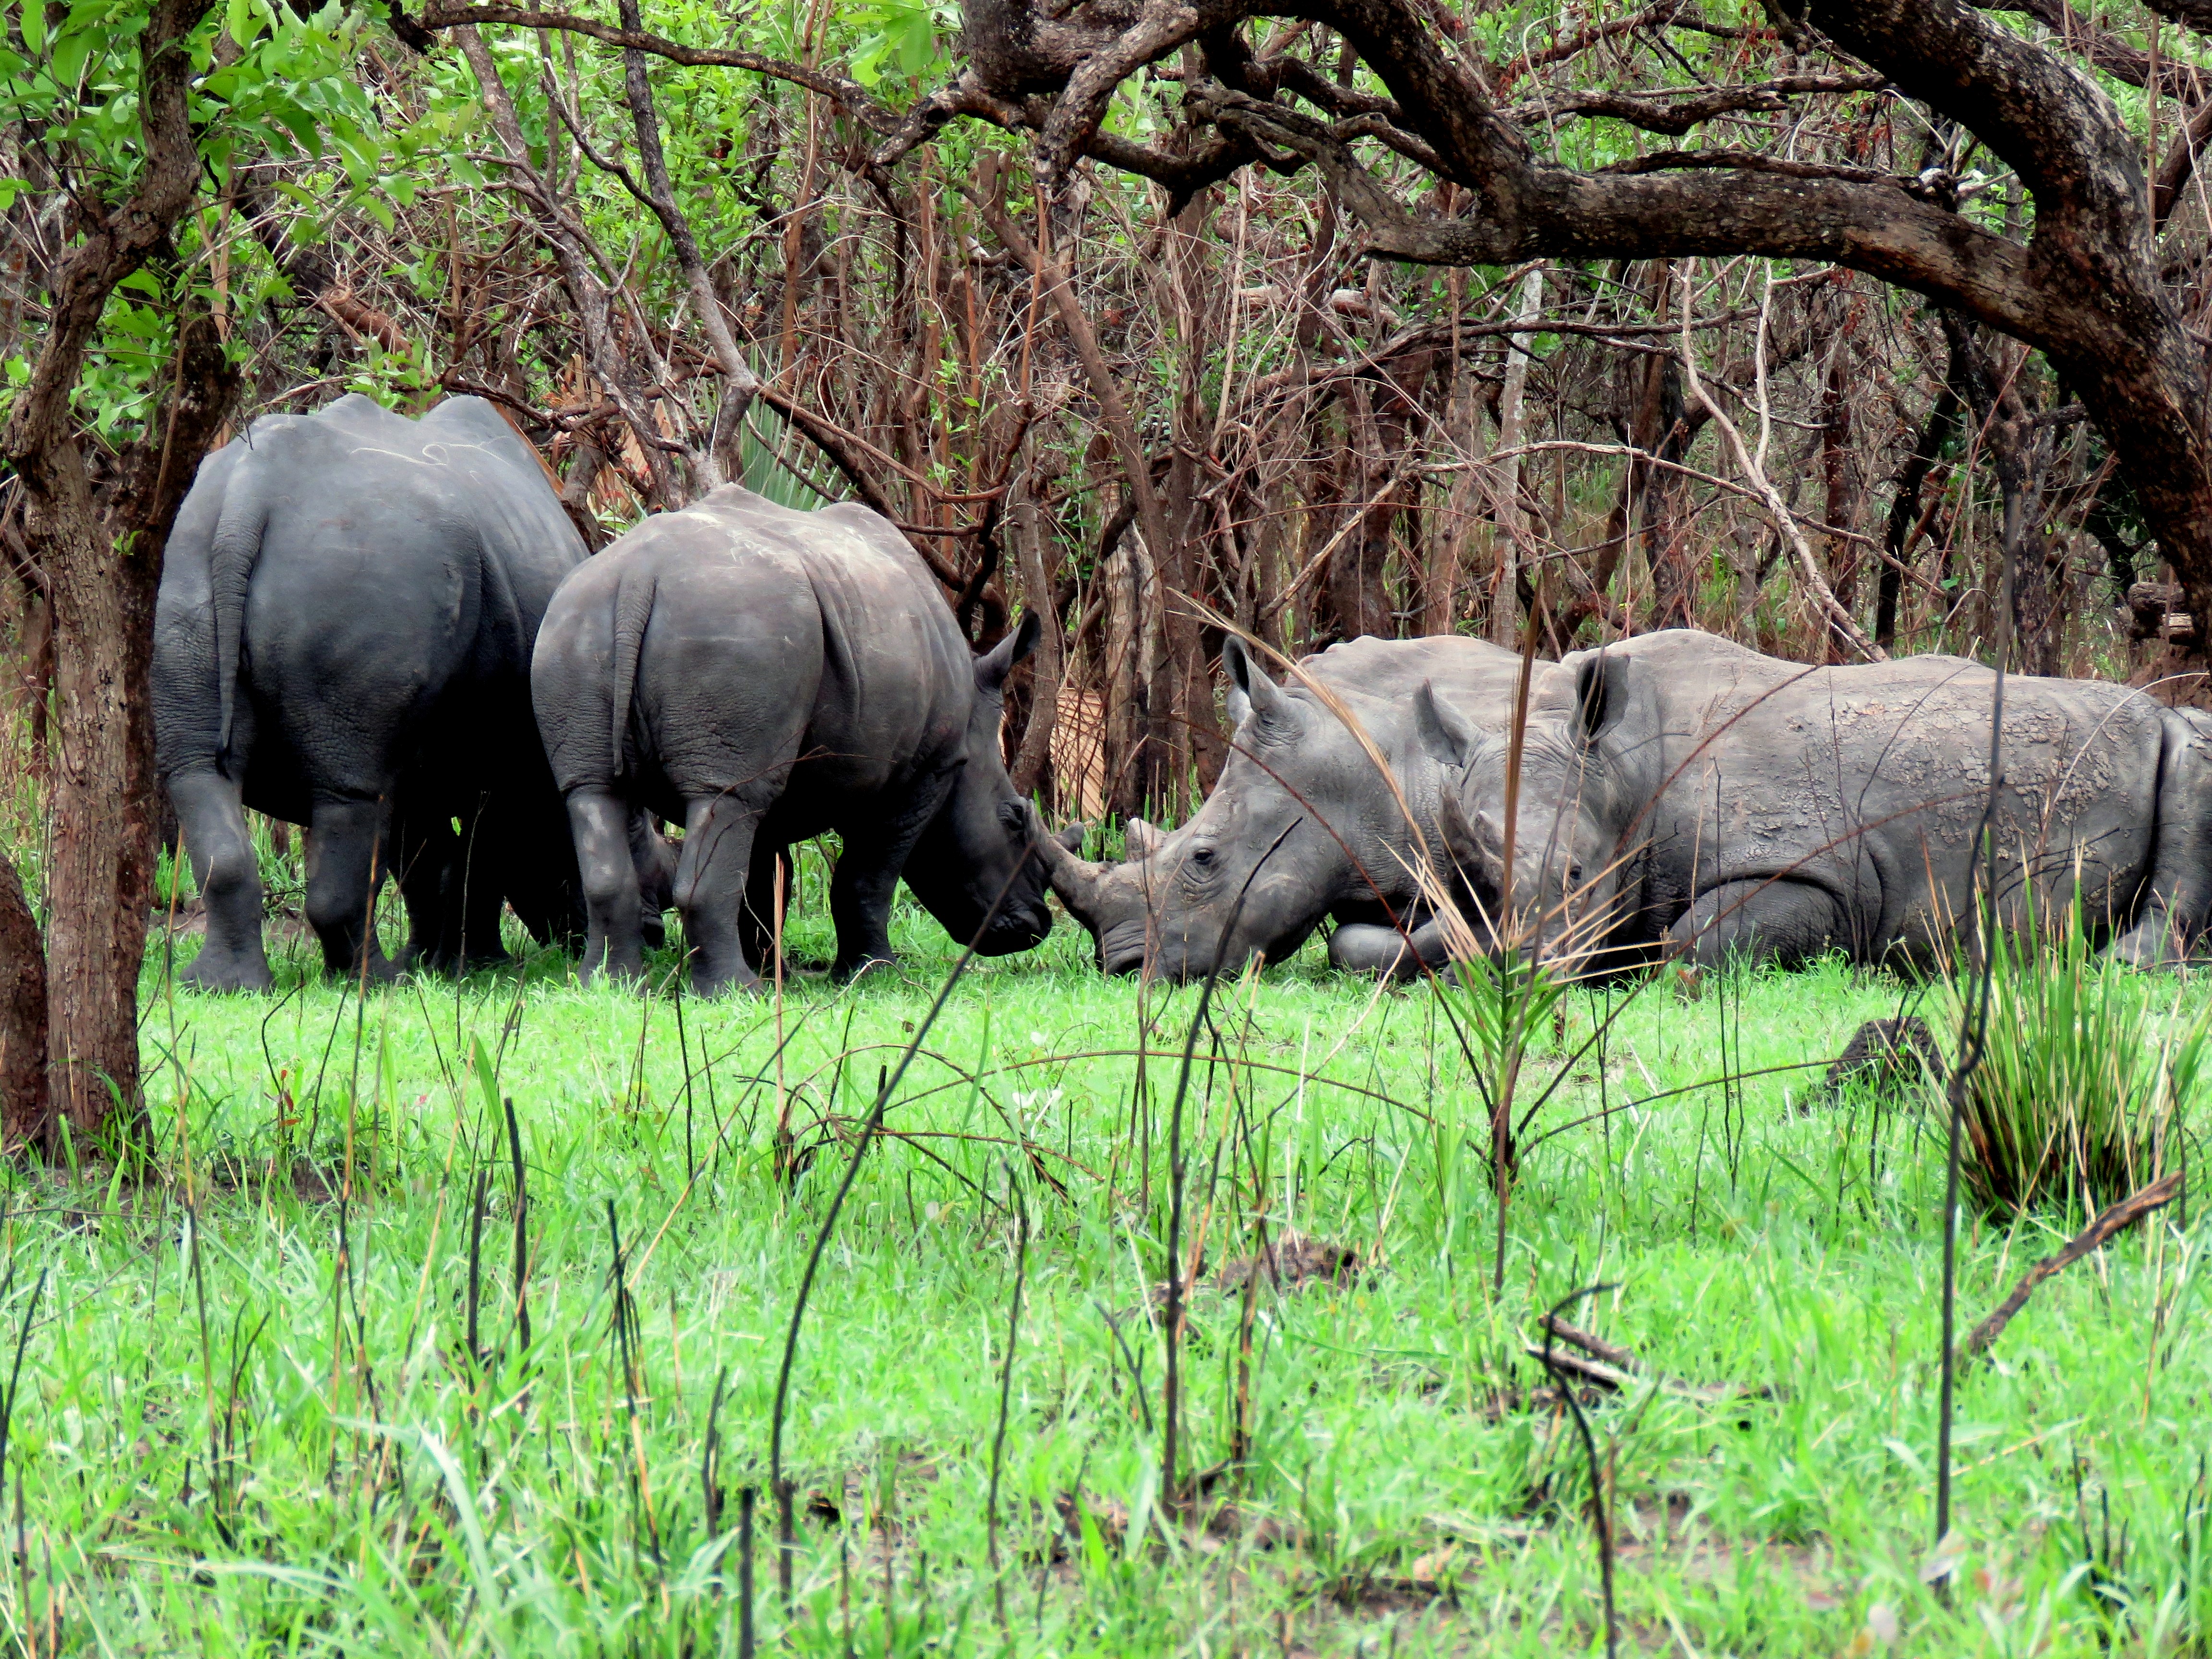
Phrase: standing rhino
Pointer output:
(765, 676)
(341, 639)
(1301, 792)
(1680, 792)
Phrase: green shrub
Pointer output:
(2088, 1068)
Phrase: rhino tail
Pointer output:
(236, 549)
(634, 597)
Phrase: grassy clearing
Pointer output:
(249, 1422)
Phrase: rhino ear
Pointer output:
(1070, 836)
(1250, 691)
(1601, 696)
(994, 665)
(1443, 732)
(1142, 838)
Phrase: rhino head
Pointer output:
(1263, 862)
(972, 868)
(1574, 815)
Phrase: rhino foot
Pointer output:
(844, 970)
(215, 968)
(2150, 944)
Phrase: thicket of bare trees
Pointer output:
(1381, 317)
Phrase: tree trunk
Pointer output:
(1514, 553)
(23, 1110)
(1842, 505)
(1904, 508)
(100, 873)
(1046, 666)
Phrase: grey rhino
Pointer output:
(1301, 815)
(764, 674)
(341, 639)
(1680, 792)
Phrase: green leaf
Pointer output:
(34, 26)
(239, 22)
(71, 52)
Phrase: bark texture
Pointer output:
(99, 535)
(23, 1112)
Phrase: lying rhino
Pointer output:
(765, 676)
(1301, 803)
(1680, 792)
(341, 639)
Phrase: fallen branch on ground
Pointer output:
(2112, 1221)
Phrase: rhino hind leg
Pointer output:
(1780, 922)
(348, 857)
(710, 891)
(211, 819)
(614, 896)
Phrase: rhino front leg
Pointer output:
(1362, 947)
(656, 876)
(212, 820)
(763, 921)
(866, 881)
(1781, 921)
(613, 910)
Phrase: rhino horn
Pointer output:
(1077, 880)
(1142, 838)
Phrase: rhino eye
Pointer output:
(1201, 856)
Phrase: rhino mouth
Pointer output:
(1121, 951)
(1010, 935)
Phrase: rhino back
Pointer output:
(360, 562)
(767, 634)
(1870, 779)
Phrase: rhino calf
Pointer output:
(1680, 792)
(762, 676)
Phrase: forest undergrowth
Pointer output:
(279, 1395)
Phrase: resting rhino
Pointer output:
(1681, 792)
(341, 639)
(764, 674)
(1300, 792)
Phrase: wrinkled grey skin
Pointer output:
(343, 640)
(765, 676)
(1680, 792)
(1300, 794)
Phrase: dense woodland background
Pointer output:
(801, 243)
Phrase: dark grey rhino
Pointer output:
(765, 675)
(1682, 792)
(1301, 813)
(343, 640)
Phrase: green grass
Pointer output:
(247, 1422)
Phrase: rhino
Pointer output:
(1680, 793)
(342, 640)
(764, 674)
(1302, 826)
